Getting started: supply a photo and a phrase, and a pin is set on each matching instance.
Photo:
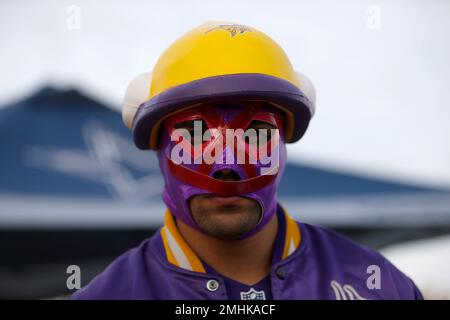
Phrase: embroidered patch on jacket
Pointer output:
(252, 294)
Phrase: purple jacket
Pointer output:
(310, 262)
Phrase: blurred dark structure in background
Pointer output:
(75, 190)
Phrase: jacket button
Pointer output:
(212, 285)
(281, 273)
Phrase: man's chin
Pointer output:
(225, 217)
(228, 224)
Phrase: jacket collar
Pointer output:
(179, 254)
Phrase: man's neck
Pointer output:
(247, 260)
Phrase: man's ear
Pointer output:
(137, 93)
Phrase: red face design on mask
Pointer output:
(249, 131)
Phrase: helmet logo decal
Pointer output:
(233, 29)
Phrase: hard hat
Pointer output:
(217, 61)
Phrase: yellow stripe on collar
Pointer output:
(177, 250)
(293, 236)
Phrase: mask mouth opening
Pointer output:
(207, 194)
(226, 175)
(261, 207)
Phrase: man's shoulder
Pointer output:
(346, 259)
(125, 277)
(344, 248)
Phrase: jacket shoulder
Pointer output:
(127, 277)
(350, 261)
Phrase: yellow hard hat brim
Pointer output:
(247, 86)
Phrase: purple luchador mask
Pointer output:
(197, 143)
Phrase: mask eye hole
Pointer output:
(260, 131)
(189, 131)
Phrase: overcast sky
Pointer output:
(381, 68)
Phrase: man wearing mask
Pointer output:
(218, 108)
